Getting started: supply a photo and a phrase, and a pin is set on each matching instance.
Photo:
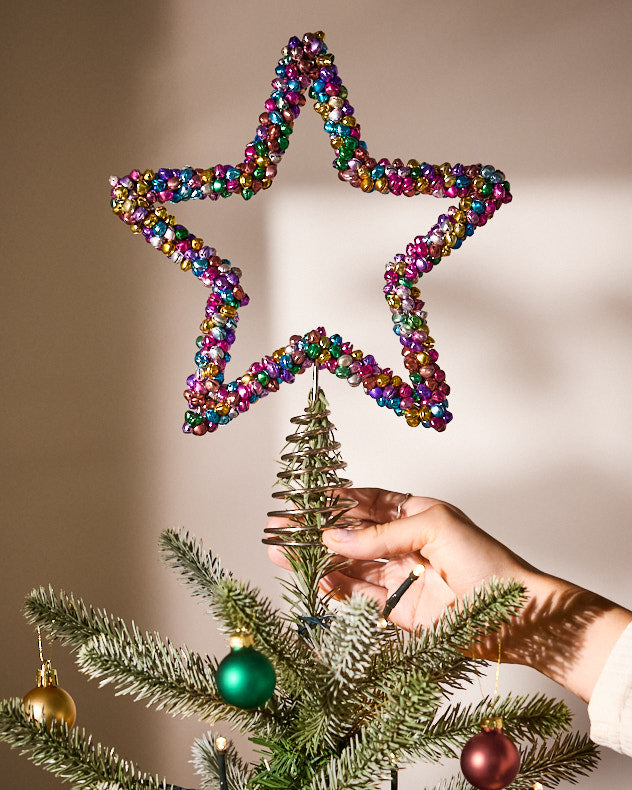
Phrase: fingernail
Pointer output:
(340, 535)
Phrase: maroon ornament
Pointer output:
(489, 760)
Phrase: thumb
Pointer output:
(391, 539)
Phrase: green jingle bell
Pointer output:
(245, 678)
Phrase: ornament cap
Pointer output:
(492, 723)
(46, 675)
(240, 639)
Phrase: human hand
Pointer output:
(563, 631)
(457, 557)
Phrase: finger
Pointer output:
(364, 570)
(384, 574)
(380, 573)
(278, 556)
(458, 551)
(406, 612)
(345, 586)
(376, 505)
(277, 552)
(394, 538)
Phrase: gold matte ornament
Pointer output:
(47, 701)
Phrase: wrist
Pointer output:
(572, 630)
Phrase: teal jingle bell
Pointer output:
(245, 678)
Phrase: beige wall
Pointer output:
(532, 316)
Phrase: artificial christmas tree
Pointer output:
(353, 692)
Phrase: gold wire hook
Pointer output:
(498, 662)
(50, 644)
(498, 665)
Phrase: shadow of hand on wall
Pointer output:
(549, 634)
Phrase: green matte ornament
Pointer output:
(245, 678)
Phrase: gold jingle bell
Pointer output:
(47, 701)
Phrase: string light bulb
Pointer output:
(221, 744)
(395, 598)
(394, 772)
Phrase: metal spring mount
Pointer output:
(284, 535)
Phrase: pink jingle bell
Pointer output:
(489, 760)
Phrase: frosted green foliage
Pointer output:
(349, 693)
(72, 756)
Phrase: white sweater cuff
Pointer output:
(610, 707)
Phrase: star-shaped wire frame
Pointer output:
(306, 66)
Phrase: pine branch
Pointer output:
(357, 766)
(528, 717)
(174, 679)
(75, 624)
(365, 759)
(147, 667)
(69, 619)
(352, 640)
(72, 756)
(308, 565)
(440, 649)
(448, 667)
(482, 612)
(200, 570)
(332, 707)
(458, 782)
(237, 605)
(403, 721)
(284, 766)
(566, 759)
(525, 717)
(206, 766)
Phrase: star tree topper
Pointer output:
(306, 66)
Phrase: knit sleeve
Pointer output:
(610, 707)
